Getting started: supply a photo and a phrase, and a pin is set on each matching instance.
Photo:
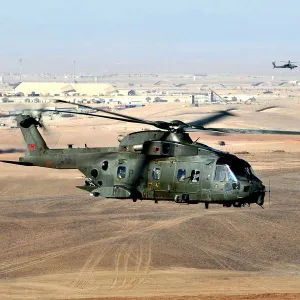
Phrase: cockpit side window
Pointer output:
(224, 173)
(221, 174)
(181, 175)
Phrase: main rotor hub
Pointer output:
(177, 123)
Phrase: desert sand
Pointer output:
(57, 242)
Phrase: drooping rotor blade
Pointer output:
(198, 124)
(252, 131)
(161, 124)
(265, 108)
(100, 116)
(17, 163)
(100, 109)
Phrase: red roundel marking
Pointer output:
(156, 149)
(32, 147)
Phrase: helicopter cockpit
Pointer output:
(223, 173)
(239, 180)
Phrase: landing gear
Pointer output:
(134, 199)
(206, 205)
(155, 201)
(237, 204)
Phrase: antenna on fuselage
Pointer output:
(269, 192)
(196, 140)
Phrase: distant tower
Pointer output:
(211, 96)
(20, 62)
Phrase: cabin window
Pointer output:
(166, 148)
(94, 173)
(181, 175)
(105, 165)
(156, 173)
(195, 176)
(121, 173)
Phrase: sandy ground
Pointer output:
(57, 242)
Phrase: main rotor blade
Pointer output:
(212, 118)
(100, 109)
(268, 107)
(17, 162)
(96, 115)
(252, 131)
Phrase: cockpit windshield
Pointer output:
(253, 172)
(243, 172)
(240, 171)
(224, 173)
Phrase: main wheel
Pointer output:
(237, 204)
(206, 205)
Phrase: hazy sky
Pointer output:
(148, 35)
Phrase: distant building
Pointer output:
(122, 92)
(197, 99)
(294, 82)
(60, 88)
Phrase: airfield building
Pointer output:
(62, 89)
(200, 98)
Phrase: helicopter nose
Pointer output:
(257, 192)
(251, 191)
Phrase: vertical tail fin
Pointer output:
(36, 145)
(274, 65)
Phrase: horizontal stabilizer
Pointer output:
(17, 163)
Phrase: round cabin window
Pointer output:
(94, 173)
(105, 165)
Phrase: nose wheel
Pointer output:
(206, 205)
(260, 201)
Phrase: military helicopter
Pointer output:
(288, 64)
(162, 164)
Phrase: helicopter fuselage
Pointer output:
(157, 171)
(161, 166)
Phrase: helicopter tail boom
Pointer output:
(35, 144)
